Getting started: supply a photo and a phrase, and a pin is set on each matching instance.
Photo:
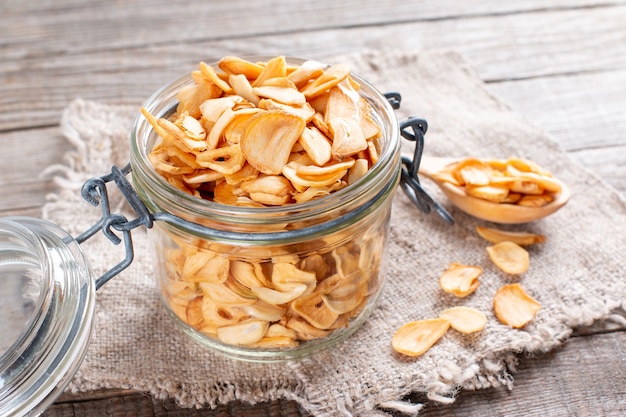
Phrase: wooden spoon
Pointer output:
(487, 210)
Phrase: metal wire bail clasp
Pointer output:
(414, 130)
(95, 192)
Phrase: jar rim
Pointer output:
(163, 102)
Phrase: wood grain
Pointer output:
(561, 63)
(84, 26)
(557, 383)
(510, 47)
(584, 110)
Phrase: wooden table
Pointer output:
(561, 63)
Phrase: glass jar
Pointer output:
(271, 283)
(47, 299)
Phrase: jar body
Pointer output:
(272, 283)
(273, 301)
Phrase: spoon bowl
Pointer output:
(488, 210)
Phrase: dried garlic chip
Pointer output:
(275, 67)
(264, 311)
(521, 238)
(194, 315)
(284, 273)
(212, 109)
(284, 95)
(317, 264)
(358, 171)
(243, 333)
(243, 88)
(257, 106)
(346, 302)
(268, 138)
(306, 72)
(316, 145)
(289, 293)
(524, 165)
(495, 193)
(509, 257)
(514, 181)
(314, 310)
(341, 102)
(192, 96)
(275, 342)
(460, 280)
(304, 329)
(221, 294)
(535, 200)
(348, 138)
(226, 160)
(271, 190)
(278, 330)
(416, 337)
(514, 307)
(328, 79)
(465, 319)
(236, 65)
(209, 73)
(475, 173)
(216, 315)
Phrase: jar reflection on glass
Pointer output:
(270, 283)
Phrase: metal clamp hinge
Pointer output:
(95, 192)
(414, 130)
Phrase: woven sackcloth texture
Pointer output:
(576, 275)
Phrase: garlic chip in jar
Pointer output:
(266, 116)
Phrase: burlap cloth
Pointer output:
(577, 275)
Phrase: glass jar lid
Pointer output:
(47, 300)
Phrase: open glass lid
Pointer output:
(47, 299)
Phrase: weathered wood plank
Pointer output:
(560, 383)
(564, 371)
(586, 110)
(608, 163)
(47, 28)
(526, 45)
(583, 112)
(129, 404)
(24, 155)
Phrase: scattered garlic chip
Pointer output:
(465, 319)
(514, 307)
(521, 238)
(416, 337)
(509, 257)
(460, 280)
